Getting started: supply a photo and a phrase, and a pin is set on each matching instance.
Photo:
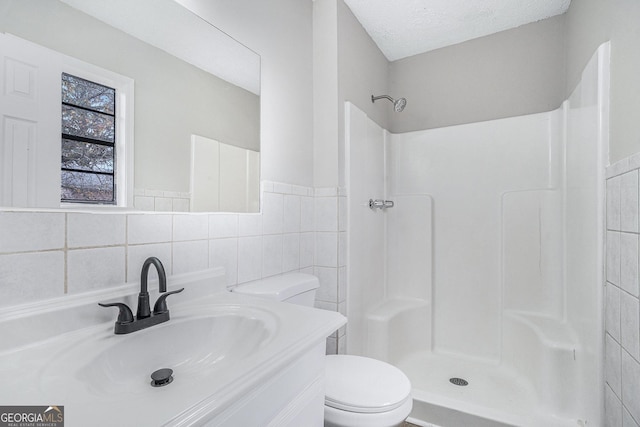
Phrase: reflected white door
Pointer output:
(30, 134)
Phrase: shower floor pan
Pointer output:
(494, 397)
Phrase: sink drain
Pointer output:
(162, 377)
(458, 381)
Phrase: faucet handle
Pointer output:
(161, 304)
(124, 316)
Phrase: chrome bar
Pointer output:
(380, 204)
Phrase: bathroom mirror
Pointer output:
(195, 91)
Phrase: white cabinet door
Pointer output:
(30, 104)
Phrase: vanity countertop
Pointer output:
(220, 347)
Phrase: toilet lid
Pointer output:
(362, 384)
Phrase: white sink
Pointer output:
(236, 360)
(194, 346)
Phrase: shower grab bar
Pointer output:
(380, 204)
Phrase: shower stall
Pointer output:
(482, 281)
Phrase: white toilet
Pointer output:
(359, 391)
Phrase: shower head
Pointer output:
(398, 104)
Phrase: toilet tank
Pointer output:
(296, 288)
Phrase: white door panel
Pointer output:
(30, 119)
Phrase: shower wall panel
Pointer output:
(365, 147)
(409, 248)
(532, 252)
(466, 170)
(587, 145)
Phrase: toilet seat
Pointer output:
(364, 385)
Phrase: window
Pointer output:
(88, 142)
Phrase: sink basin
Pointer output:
(236, 360)
(193, 346)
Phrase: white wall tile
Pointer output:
(181, 205)
(342, 213)
(30, 277)
(612, 408)
(633, 162)
(31, 231)
(342, 249)
(190, 256)
(307, 215)
(223, 225)
(631, 385)
(613, 203)
(332, 345)
(163, 204)
(272, 213)
(290, 252)
(148, 228)
(280, 187)
(328, 278)
(144, 203)
(113, 247)
(612, 311)
(612, 364)
(307, 248)
(619, 167)
(190, 227)
(249, 225)
(307, 270)
(629, 202)
(271, 255)
(267, 186)
(249, 258)
(326, 209)
(629, 263)
(342, 344)
(224, 252)
(291, 214)
(98, 268)
(325, 305)
(630, 325)
(136, 255)
(326, 192)
(613, 257)
(87, 229)
(342, 284)
(299, 190)
(326, 253)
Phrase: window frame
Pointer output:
(124, 130)
(94, 141)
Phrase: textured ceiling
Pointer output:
(404, 28)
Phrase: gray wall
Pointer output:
(362, 71)
(348, 66)
(529, 69)
(511, 73)
(590, 23)
(325, 93)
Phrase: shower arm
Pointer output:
(375, 98)
(398, 104)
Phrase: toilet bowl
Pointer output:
(359, 391)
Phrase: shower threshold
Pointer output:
(495, 396)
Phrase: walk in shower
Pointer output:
(483, 281)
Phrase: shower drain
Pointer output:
(458, 381)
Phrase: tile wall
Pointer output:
(161, 201)
(622, 307)
(331, 257)
(50, 254)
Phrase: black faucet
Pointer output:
(125, 324)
